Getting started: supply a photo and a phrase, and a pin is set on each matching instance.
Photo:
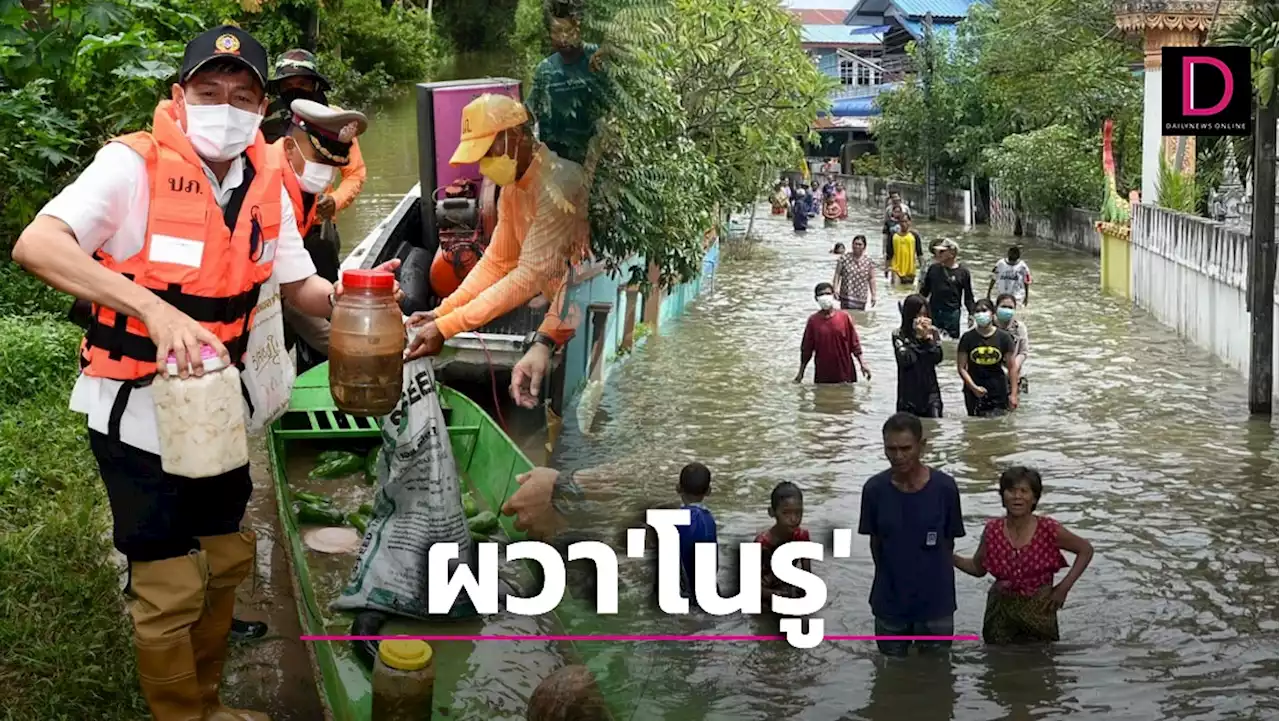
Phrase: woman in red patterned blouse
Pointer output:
(786, 506)
(1023, 552)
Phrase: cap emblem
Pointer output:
(227, 44)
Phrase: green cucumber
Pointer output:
(480, 537)
(315, 499)
(371, 465)
(337, 468)
(358, 522)
(313, 514)
(483, 522)
(469, 505)
(329, 456)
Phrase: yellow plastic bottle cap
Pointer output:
(405, 654)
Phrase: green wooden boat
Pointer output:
(488, 462)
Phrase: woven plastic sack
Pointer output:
(418, 504)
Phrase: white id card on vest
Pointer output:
(268, 369)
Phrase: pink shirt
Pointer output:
(1023, 571)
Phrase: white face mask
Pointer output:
(316, 177)
(220, 132)
(827, 302)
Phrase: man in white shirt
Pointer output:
(1012, 276)
(170, 234)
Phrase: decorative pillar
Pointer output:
(1161, 24)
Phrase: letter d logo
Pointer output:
(1188, 99)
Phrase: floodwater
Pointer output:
(1145, 446)
(1143, 439)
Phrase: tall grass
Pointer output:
(66, 649)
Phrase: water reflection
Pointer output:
(1025, 682)
(918, 687)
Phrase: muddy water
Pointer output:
(1146, 450)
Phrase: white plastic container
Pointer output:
(201, 419)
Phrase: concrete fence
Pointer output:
(1192, 274)
(1073, 228)
(953, 205)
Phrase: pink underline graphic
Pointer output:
(633, 638)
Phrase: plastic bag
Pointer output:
(268, 370)
(418, 504)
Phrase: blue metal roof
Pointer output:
(916, 28)
(917, 9)
(860, 107)
(939, 8)
(839, 35)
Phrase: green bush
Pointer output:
(22, 293)
(37, 357)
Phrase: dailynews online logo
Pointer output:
(1206, 91)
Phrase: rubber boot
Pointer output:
(168, 599)
(230, 562)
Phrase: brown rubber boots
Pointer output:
(168, 599)
(230, 562)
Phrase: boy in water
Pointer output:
(693, 486)
(786, 508)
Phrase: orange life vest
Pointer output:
(306, 219)
(190, 258)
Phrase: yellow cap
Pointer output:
(405, 655)
(482, 120)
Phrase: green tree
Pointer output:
(1019, 67)
(709, 97)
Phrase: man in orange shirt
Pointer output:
(542, 229)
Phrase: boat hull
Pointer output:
(488, 462)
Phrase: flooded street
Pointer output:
(1144, 442)
(1146, 450)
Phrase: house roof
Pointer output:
(843, 5)
(856, 107)
(913, 9)
(916, 28)
(810, 16)
(838, 35)
(939, 8)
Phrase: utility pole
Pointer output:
(1262, 258)
(930, 172)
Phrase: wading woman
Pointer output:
(918, 353)
(1023, 552)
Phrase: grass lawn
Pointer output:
(65, 642)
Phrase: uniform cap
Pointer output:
(331, 130)
(298, 63)
(224, 41)
(482, 120)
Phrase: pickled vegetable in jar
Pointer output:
(201, 419)
(366, 345)
(404, 678)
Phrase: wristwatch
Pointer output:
(535, 337)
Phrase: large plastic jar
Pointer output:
(404, 678)
(201, 419)
(366, 345)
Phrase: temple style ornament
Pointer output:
(1167, 23)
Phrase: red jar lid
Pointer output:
(376, 279)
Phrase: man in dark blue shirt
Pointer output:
(912, 514)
